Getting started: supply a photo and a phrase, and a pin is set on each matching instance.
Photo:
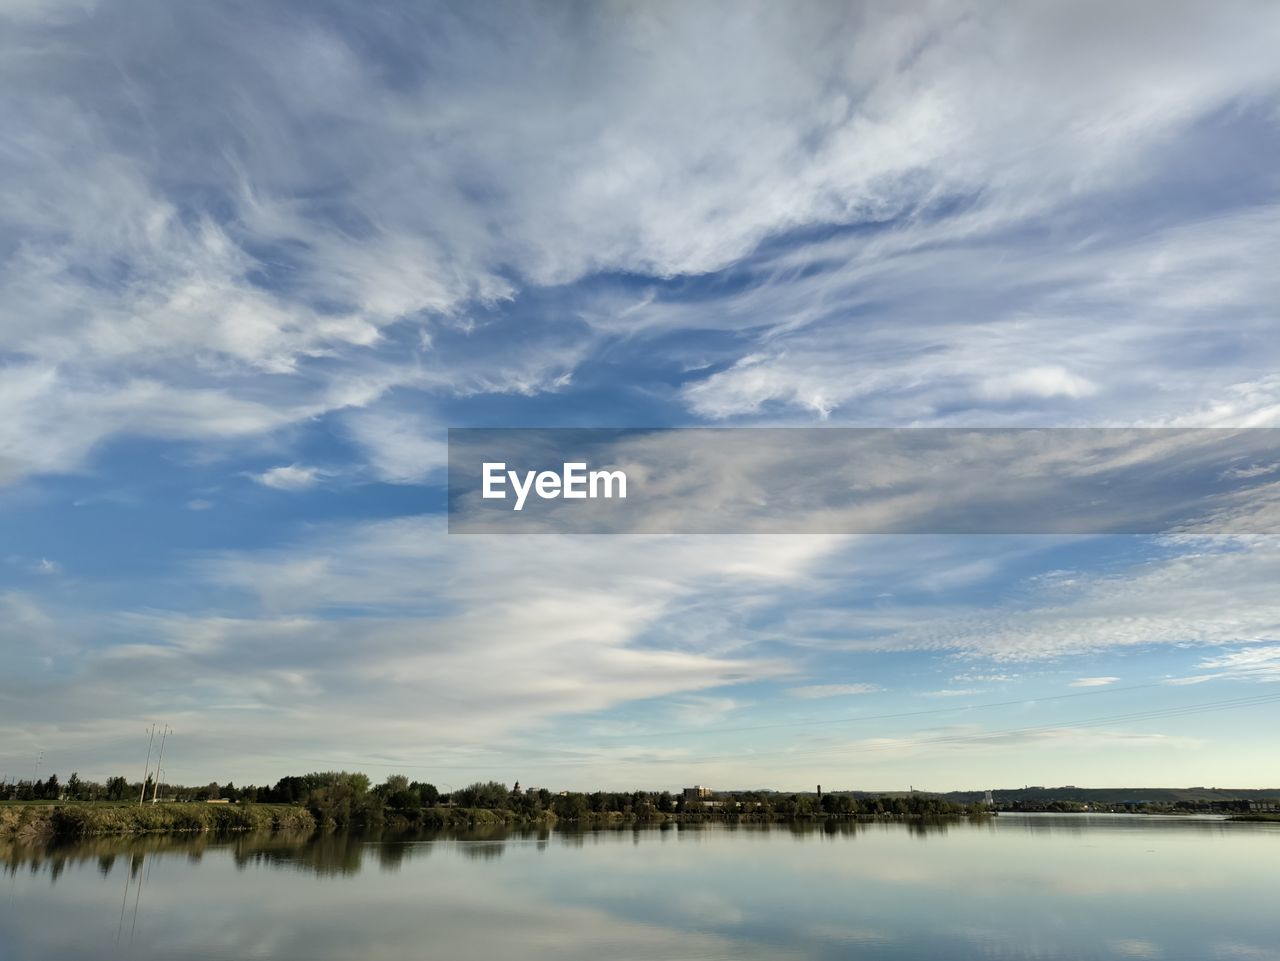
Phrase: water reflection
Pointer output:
(1018, 887)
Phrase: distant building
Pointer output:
(987, 800)
(696, 792)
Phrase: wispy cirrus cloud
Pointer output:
(364, 642)
(1260, 663)
(316, 235)
(883, 310)
(345, 218)
(812, 691)
(1216, 595)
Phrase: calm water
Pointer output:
(1039, 887)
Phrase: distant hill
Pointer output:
(1087, 795)
(1118, 795)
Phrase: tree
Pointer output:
(398, 795)
(571, 807)
(344, 800)
(290, 790)
(490, 794)
(428, 794)
(75, 788)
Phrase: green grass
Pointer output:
(82, 819)
(23, 804)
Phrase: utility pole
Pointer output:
(39, 760)
(147, 770)
(159, 760)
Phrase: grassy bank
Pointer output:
(74, 820)
(1255, 817)
(42, 820)
(48, 819)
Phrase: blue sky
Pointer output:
(256, 260)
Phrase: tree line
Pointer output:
(351, 799)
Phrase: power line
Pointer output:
(147, 770)
(159, 760)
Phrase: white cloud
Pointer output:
(1093, 681)
(1137, 948)
(1208, 594)
(875, 338)
(402, 448)
(831, 690)
(1251, 663)
(266, 257)
(1252, 471)
(703, 711)
(363, 642)
(214, 242)
(1049, 381)
(987, 678)
(290, 477)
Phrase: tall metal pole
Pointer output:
(147, 770)
(159, 760)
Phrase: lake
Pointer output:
(1014, 887)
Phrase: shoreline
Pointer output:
(34, 822)
(71, 820)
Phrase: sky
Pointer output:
(256, 259)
